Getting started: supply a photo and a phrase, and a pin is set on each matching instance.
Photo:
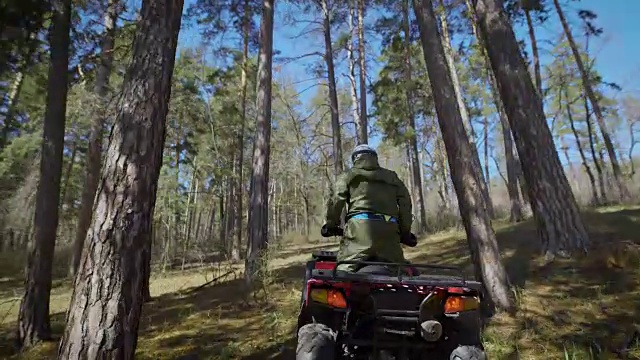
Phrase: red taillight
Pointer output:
(324, 265)
(455, 290)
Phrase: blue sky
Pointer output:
(618, 56)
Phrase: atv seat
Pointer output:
(382, 269)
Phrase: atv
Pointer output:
(387, 311)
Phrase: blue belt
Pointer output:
(373, 216)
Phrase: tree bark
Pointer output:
(413, 138)
(473, 209)
(33, 318)
(94, 149)
(477, 166)
(333, 94)
(105, 309)
(258, 226)
(588, 89)
(555, 210)
(363, 134)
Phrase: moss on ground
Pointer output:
(580, 308)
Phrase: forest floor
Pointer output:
(587, 307)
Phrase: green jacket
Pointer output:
(367, 187)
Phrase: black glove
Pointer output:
(326, 231)
(408, 239)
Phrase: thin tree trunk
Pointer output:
(105, 309)
(10, 104)
(594, 155)
(586, 83)
(363, 134)
(443, 188)
(94, 149)
(485, 139)
(351, 75)
(333, 94)
(193, 188)
(67, 177)
(554, 206)
(592, 140)
(594, 190)
(473, 208)
(33, 318)
(516, 214)
(258, 227)
(413, 141)
(477, 166)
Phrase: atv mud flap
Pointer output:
(465, 327)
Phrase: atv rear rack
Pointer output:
(438, 280)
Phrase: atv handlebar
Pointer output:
(329, 232)
(325, 231)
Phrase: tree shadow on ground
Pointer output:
(46, 350)
(220, 321)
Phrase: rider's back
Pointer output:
(373, 189)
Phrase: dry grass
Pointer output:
(583, 308)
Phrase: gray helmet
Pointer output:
(362, 149)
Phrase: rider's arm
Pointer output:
(404, 207)
(337, 200)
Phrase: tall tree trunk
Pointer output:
(413, 138)
(258, 227)
(333, 94)
(534, 50)
(236, 253)
(94, 149)
(351, 74)
(105, 309)
(554, 206)
(363, 134)
(514, 171)
(588, 89)
(473, 209)
(594, 190)
(33, 318)
(466, 120)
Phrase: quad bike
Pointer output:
(387, 311)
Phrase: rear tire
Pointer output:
(467, 352)
(316, 342)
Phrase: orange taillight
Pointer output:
(330, 297)
(455, 304)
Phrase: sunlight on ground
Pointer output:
(583, 308)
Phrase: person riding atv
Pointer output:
(378, 218)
